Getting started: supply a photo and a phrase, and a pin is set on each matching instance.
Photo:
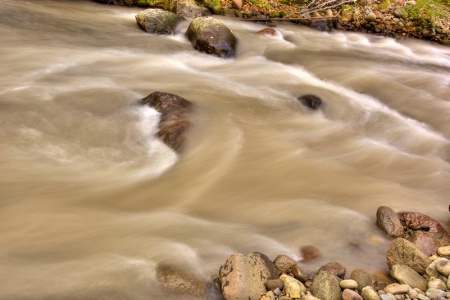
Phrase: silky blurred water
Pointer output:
(91, 201)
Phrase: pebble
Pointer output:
(437, 284)
(334, 268)
(277, 292)
(400, 297)
(443, 267)
(386, 297)
(422, 297)
(299, 274)
(435, 294)
(407, 275)
(413, 294)
(362, 278)
(349, 294)
(395, 288)
(283, 263)
(368, 293)
(348, 284)
(272, 284)
(292, 287)
(431, 269)
(444, 251)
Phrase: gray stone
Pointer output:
(177, 280)
(395, 288)
(157, 21)
(435, 283)
(444, 251)
(368, 293)
(431, 269)
(189, 9)
(403, 252)
(349, 294)
(326, 286)
(435, 294)
(348, 284)
(292, 287)
(283, 263)
(211, 36)
(389, 222)
(242, 277)
(362, 278)
(443, 267)
(407, 275)
(334, 268)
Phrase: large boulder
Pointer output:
(178, 280)
(156, 20)
(403, 252)
(417, 221)
(211, 36)
(242, 277)
(175, 119)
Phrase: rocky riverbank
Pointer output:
(421, 19)
(418, 259)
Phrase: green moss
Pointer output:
(426, 12)
(278, 14)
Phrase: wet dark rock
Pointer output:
(362, 278)
(213, 290)
(176, 114)
(310, 101)
(157, 21)
(403, 252)
(425, 241)
(389, 222)
(326, 286)
(283, 263)
(211, 36)
(299, 274)
(244, 276)
(334, 268)
(309, 252)
(320, 25)
(177, 280)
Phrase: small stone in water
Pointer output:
(438, 284)
(443, 267)
(444, 251)
(395, 288)
(368, 293)
(349, 294)
(348, 284)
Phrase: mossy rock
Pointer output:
(157, 21)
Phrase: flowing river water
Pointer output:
(91, 202)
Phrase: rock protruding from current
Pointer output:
(311, 101)
(176, 113)
(403, 252)
(417, 221)
(177, 280)
(389, 222)
(425, 241)
(242, 277)
(326, 286)
(211, 36)
(158, 21)
(334, 268)
(283, 263)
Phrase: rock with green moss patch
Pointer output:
(157, 21)
(211, 36)
(188, 8)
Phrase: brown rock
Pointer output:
(177, 280)
(283, 263)
(299, 274)
(237, 4)
(425, 241)
(334, 268)
(267, 31)
(362, 278)
(418, 221)
(407, 275)
(309, 252)
(242, 277)
(389, 222)
(326, 286)
(403, 252)
(272, 284)
(348, 294)
(175, 117)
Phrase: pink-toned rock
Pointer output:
(418, 221)
(309, 252)
(348, 294)
(237, 4)
(425, 241)
(267, 31)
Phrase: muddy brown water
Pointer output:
(90, 201)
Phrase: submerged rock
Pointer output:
(242, 277)
(177, 280)
(211, 36)
(175, 117)
(157, 21)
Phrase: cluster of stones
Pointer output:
(413, 274)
